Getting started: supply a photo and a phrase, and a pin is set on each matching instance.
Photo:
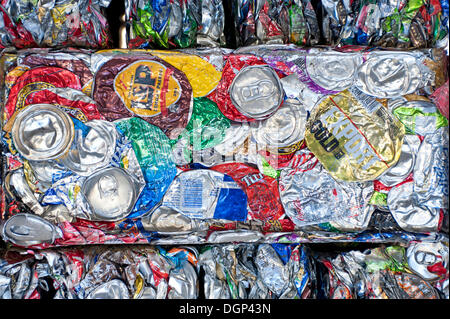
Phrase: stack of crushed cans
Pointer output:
(210, 172)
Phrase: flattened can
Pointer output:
(409, 213)
(249, 89)
(392, 74)
(353, 136)
(310, 195)
(37, 79)
(111, 194)
(145, 87)
(405, 164)
(431, 170)
(42, 132)
(261, 190)
(113, 289)
(420, 117)
(206, 194)
(28, 230)
(256, 92)
(93, 147)
(333, 70)
(284, 131)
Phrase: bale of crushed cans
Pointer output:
(418, 270)
(264, 144)
(237, 23)
(57, 23)
(384, 23)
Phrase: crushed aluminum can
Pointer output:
(429, 260)
(27, 230)
(256, 92)
(42, 132)
(113, 289)
(390, 75)
(206, 194)
(212, 24)
(420, 117)
(166, 220)
(333, 70)
(271, 269)
(37, 79)
(431, 170)
(74, 102)
(153, 154)
(93, 147)
(146, 87)
(261, 190)
(409, 213)
(283, 132)
(311, 196)
(405, 164)
(111, 194)
(354, 136)
(361, 211)
(183, 282)
(16, 181)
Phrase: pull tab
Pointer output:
(107, 186)
(425, 258)
(259, 90)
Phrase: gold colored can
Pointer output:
(354, 136)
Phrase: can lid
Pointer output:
(27, 229)
(111, 194)
(333, 70)
(42, 132)
(284, 128)
(256, 91)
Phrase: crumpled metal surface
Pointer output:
(78, 23)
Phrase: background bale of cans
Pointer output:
(62, 23)
(417, 270)
(173, 135)
(399, 23)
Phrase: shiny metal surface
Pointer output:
(42, 132)
(256, 91)
(111, 193)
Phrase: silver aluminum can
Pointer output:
(409, 214)
(111, 194)
(27, 230)
(333, 70)
(405, 164)
(283, 129)
(113, 289)
(166, 220)
(391, 74)
(271, 270)
(183, 282)
(92, 151)
(16, 181)
(42, 132)
(310, 195)
(421, 255)
(256, 91)
(361, 211)
(431, 170)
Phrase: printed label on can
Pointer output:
(147, 88)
